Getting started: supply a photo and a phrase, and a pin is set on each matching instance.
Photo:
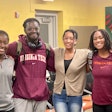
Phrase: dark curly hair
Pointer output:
(108, 43)
(2, 32)
(30, 20)
(75, 34)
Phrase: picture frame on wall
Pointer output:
(108, 20)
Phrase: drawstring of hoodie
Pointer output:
(23, 62)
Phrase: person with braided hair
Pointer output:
(101, 46)
(70, 79)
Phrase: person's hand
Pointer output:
(89, 59)
(110, 50)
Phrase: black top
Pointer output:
(66, 64)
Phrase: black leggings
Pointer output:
(12, 110)
(102, 108)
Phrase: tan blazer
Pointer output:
(75, 77)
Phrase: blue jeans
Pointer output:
(64, 103)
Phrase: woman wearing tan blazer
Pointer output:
(70, 65)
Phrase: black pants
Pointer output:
(12, 110)
(102, 108)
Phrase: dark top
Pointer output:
(66, 63)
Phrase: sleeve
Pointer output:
(50, 61)
(12, 49)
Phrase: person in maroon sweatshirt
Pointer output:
(30, 88)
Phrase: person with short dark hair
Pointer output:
(101, 46)
(70, 80)
(30, 88)
(6, 74)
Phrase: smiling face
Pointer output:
(98, 40)
(32, 31)
(69, 40)
(3, 43)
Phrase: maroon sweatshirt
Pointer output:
(30, 80)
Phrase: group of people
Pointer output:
(29, 91)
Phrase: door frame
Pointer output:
(41, 13)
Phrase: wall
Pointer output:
(96, 13)
(8, 22)
(84, 33)
(74, 13)
(71, 9)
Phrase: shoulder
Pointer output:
(85, 51)
(10, 58)
(47, 46)
(13, 44)
(12, 48)
(58, 49)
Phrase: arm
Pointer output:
(50, 61)
(89, 61)
(12, 48)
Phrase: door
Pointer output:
(48, 27)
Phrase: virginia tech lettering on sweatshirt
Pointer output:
(33, 57)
